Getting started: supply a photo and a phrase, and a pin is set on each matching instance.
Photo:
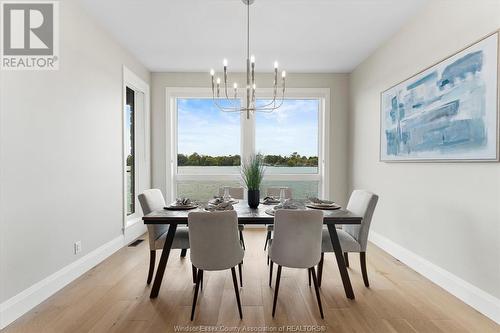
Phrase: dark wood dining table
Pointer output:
(247, 215)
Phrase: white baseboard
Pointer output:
(468, 293)
(26, 300)
(134, 230)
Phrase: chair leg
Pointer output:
(276, 288)
(268, 237)
(320, 269)
(267, 260)
(270, 273)
(152, 261)
(236, 291)
(346, 259)
(241, 274)
(309, 276)
(316, 288)
(242, 240)
(201, 282)
(198, 281)
(194, 273)
(362, 259)
(183, 253)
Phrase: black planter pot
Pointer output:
(253, 198)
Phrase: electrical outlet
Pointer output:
(78, 247)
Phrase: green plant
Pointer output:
(252, 172)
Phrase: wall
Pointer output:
(338, 84)
(61, 154)
(446, 213)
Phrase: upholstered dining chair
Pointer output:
(215, 246)
(239, 194)
(150, 201)
(274, 192)
(353, 238)
(296, 244)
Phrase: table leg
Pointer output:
(340, 261)
(163, 261)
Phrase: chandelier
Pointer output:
(231, 99)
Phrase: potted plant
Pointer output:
(252, 172)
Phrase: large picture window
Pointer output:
(208, 145)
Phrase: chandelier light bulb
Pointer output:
(218, 80)
(224, 62)
(275, 65)
(252, 59)
(283, 74)
(235, 85)
(212, 72)
(254, 86)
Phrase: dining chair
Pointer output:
(239, 194)
(215, 246)
(150, 201)
(275, 192)
(353, 238)
(296, 244)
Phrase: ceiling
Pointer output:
(331, 36)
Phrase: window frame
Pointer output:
(247, 138)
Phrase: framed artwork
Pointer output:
(447, 112)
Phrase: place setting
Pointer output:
(316, 203)
(182, 204)
(287, 204)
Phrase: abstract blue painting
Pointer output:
(446, 112)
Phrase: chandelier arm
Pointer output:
(226, 109)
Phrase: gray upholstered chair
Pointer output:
(353, 238)
(275, 192)
(239, 194)
(152, 200)
(297, 244)
(215, 246)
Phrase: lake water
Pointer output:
(203, 190)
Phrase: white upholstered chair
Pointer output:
(353, 238)
(296, 244)
(215, 246)
(275, 192)
(239, 194)
(150, 201)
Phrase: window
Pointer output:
(136, 165)
(208, 145)
(130, 149)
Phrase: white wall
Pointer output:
(339, 97)
(61, 154)
(446, 213)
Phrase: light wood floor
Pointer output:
(114, 297)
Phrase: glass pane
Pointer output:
(202, 190)
(300, 189)
(288, 136)
(130, 149)
(208, 139)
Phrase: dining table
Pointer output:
(250, 216)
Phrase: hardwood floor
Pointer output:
(114, 297)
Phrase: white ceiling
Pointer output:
(303, 35)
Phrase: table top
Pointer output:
(247, 215)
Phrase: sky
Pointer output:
(204, 129)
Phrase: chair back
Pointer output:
(361, 203)
(150, 201)
(275, 192)
(234, 192)
(214, 240)
(297, 238)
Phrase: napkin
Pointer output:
(288, 204)
(183, 202)
(320, 202)
(270, 200)
(220, 206)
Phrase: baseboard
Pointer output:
(468, 293)
(133, 231)
(26, 300)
